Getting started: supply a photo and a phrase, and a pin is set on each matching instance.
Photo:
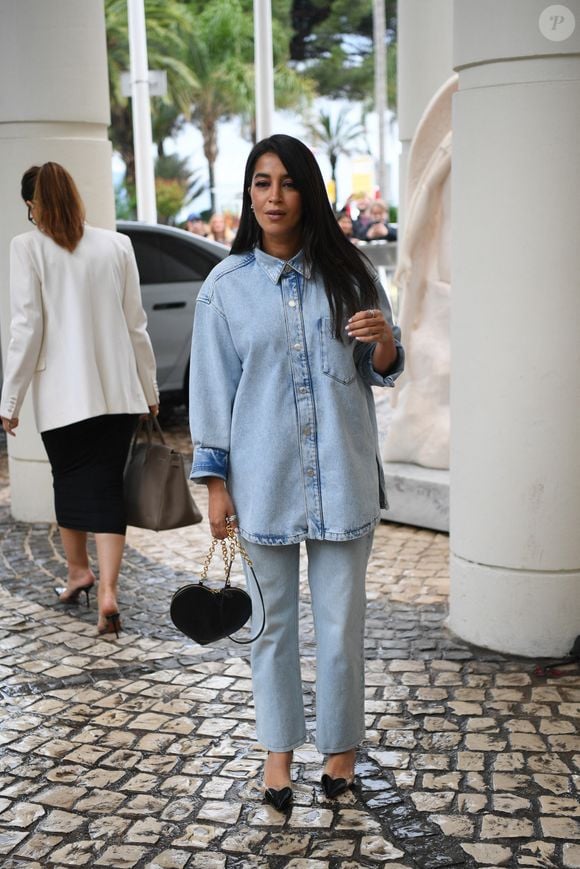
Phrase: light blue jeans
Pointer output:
(336, 575)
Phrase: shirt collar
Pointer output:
(274, 267)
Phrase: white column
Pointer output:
(424, 60)
(380, 49)
(264, 68)
(55, 106)
(141, 111)
(515, 350)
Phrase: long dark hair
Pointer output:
(58, 207)
(345, 273)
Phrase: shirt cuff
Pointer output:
(210, 462)
(394, 371)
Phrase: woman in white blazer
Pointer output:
(78, 334)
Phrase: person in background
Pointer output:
(379, 228)
(359, 212)
(79, 335)
(218, 231)
(195, 224)
(344, 221)
(291, 332)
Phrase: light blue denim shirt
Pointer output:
(280, 408)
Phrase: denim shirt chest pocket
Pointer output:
(337, 357)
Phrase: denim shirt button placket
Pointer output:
(304, 403)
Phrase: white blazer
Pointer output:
(78, 330)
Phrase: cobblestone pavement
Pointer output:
(140, 751)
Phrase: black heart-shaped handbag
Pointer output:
(205, 614)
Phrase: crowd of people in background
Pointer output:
(361, 219)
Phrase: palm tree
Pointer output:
(220, 55)
(335, 136)
(218, 43)
(166, 22)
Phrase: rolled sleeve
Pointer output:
(209, 462)
(215, 373)
(372, 377)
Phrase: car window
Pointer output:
(165, 260)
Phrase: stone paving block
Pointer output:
(220, 811)
(508, 761)
(571, 856)
(244, 840)
(36, 847)
(198, 836)
(560, 828)
(490, 855)
(81, 853)
(172, 859)
(557, 784)
(311, 818)
(507, 782)
(470, 760)
(429, 801)
(99, 801)
(453, 825)
(539, 853)
(509, 803)
(548, 763)
(213, 860)
(495, 827)
(354, 819)
(58, 821)
(9, 839)
(61, 796)
(471, 803)
(121, 856)
(562, 806)
(142, 783)
(285, 845)
(333, 848)
(266, 816)
(21, 815)
(446, 781)
(107, 827)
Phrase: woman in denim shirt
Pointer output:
(290, 333)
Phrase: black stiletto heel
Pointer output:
(112, 623)
(280, 799)
(334, 787)
(73, 596)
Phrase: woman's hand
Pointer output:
(370, 327)
(153, 411)
(9, 425)
(377, 230)
(220, 508)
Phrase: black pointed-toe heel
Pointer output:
(112, 623)
(72, 597)
(280, 799)
(334, 787)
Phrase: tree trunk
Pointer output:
(210, 150)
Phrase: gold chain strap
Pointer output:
(229, 547)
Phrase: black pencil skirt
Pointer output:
(87, 460)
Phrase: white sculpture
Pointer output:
(419, 427)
